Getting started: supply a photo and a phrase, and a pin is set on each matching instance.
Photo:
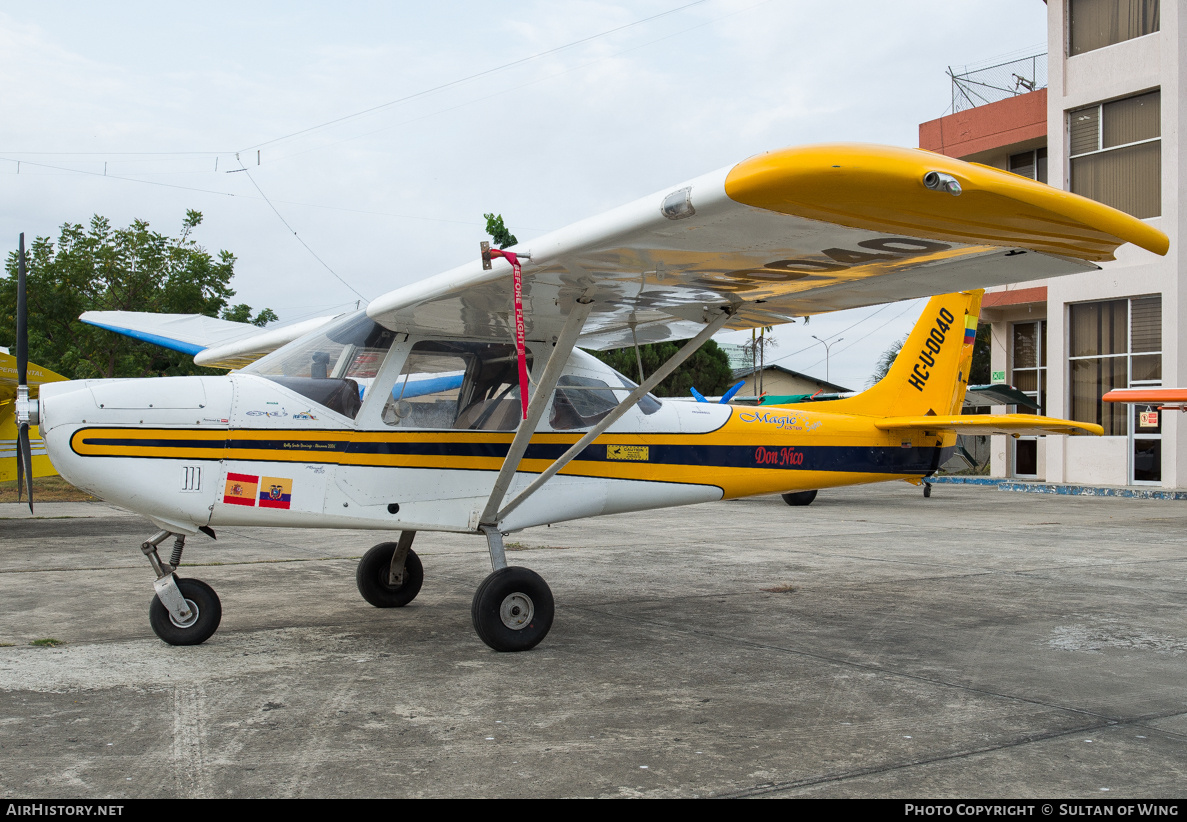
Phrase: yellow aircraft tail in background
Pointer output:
(924, 388)
(929, 377)
(42, 467)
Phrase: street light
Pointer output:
(826, 347)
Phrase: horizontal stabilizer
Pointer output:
(989, 424)
(211, 341)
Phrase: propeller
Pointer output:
(24, 455)
(726, 397)
(729, 395)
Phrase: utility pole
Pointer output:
(826, 347)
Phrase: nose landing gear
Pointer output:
(184, 611)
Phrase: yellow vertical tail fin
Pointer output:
(931, 372)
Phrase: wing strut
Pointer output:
(535, 409)
(651, 382)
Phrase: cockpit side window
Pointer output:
(459, 385)
(333, 368)
(580, 402)
(648, 404)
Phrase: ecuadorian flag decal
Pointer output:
(275, 492)
(970, 328)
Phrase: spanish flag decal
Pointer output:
(241, 489)
(275, 492)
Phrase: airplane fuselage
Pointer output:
(244, 450)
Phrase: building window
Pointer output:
(1094, 24)
(1028, 361)
(1032, 164)
(1114, 344)
(1028, 367)
(1116, 153)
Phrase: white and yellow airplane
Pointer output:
(408, 415)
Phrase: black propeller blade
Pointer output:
(24, 456)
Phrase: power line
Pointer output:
(870, 316)
(115, 177)
(295, 234)
(379, 107)
(909, 307)
(248, 197)
(474, 76)
(487, 97)
(119, 153)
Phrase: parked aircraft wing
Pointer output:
(36, 376)
(211, 341)
(989, 424)
(789, 233)
(997, 394)
(1166, 397)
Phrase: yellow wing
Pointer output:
(786, 234)
(37, 375)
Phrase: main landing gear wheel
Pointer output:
(800, 498)
(512, 609)
(374, 581)
(207, 613)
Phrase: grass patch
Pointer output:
(519, 546)
(7, 644)
(47, 642)
(781, 589)
(46, 489)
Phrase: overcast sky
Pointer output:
(547, 112)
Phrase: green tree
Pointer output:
(708, 370)
(498, 232)
(242, 314)
(886, 361)
(124, 269)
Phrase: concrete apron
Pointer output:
(875, 643)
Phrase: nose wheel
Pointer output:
(204, 609)
(184, 611)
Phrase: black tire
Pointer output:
(800, 498)
(927, 489)
(372, 577)
(512, 609)
(201, 597)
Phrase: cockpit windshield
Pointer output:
(333, 366)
